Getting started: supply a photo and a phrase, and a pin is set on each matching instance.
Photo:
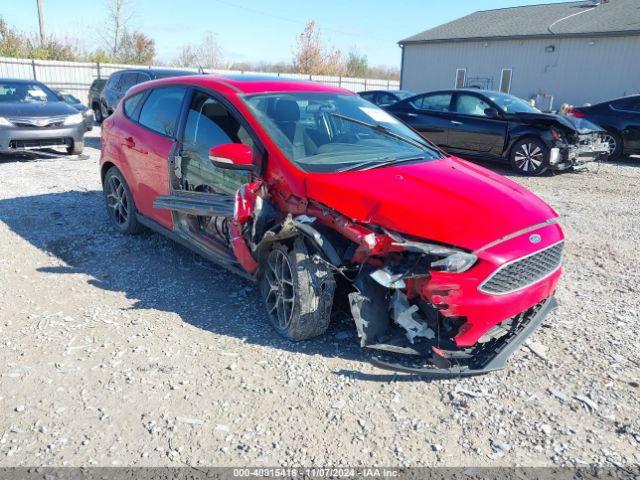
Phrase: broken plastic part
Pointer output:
(387, 279)
(405, 316)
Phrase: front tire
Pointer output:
(616, 145)
(76, 148)
(297, 288)
(530, 157)
(119, 201)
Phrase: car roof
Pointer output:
(384, 91)
(157, 71)
(245, 84)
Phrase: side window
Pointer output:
(161, 109)
(208, 125)
(471, 105)
(386, 99)
(631, 104)
(131, 103)
(369, 96)
(439, 102)
(128, 80)
(113, 82)
(142, 77)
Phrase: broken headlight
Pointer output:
(457, 262)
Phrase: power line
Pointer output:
(299, 22)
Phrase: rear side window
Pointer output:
(386, 99)
(131, 103)
(161, 109)
(631, 104)
(113, 81)
(471, 105)
(128, 81)
(439, 102)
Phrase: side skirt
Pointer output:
(214, 257)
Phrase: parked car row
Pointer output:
(486, 125)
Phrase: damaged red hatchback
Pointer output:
(322, 197)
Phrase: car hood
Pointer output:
(449, 201)
(36, 109)
(577, 125)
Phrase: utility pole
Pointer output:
(41, 21)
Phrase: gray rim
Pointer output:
(281, 294)
(117, 200)
(611, 142)
(529, 157)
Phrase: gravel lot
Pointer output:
(134, 351)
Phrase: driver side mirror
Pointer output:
(232, 156)
(491, 112)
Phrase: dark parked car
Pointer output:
(621, 119)
(120, 82)
(385, 98)
(33, 116)
(93, 100)
(72, 100)
(482, 124)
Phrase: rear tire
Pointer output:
(97, 114)
(119, 202)
(297, 288)
(530, 157)
(616, 145)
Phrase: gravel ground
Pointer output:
(133, 351)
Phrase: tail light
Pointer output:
(572, 112)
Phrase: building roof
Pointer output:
(558, 19)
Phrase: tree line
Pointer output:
(118, 42)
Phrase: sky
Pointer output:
(254, 30)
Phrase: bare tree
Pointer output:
(208, 54)
(119, 14)
(310, 56)
(136, 47)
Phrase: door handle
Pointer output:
(455, 122)
(412, 115)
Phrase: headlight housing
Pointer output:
(5, 123)
(452, 260)
(74, 119)
(457, 262)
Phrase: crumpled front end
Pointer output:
(465, 322)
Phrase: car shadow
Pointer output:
(158, 274)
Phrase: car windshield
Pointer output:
(511, 104)
(330, 132)
(25, 92)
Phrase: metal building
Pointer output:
(574, 52)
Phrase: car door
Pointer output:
(627, 117)
(472, 130)
(427, 114)
(148, 146)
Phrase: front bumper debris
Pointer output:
(578, 155)
(480, 359)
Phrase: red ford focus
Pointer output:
(318, 196)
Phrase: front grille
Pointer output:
(524, 272)
(40, 143)
(38, 122)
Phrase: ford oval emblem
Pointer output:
(535, 238)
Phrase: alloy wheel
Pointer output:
(611, 142)
(117, 200)
(281, 294)
(529, 157)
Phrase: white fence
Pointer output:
(76, 77)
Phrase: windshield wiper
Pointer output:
(371, 164)
(376, 127)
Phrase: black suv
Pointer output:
(120, 82)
